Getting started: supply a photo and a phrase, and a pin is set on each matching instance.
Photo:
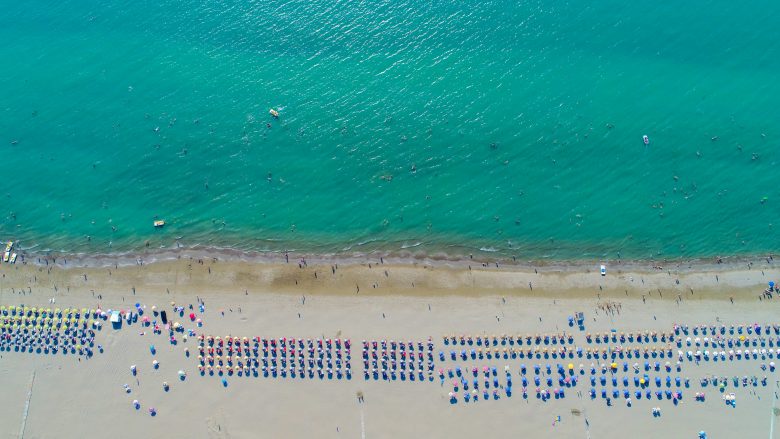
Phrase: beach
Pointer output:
(381, 220)
(397, 300)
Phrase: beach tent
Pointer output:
(116, 319)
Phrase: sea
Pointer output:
(505, 128)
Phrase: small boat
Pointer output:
(646, 139)
(6, 256)
(274, 113)
(9, 246)
(159, 223)
(603, 270)
(13, 258)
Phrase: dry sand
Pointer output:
(397, 299)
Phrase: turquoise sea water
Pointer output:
(513, 127)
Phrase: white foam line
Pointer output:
(27, 406)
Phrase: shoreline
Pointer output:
(437, 259)
(229, 273)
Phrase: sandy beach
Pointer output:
(56, 395)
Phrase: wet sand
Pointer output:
(72, 398)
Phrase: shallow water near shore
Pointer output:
(492, 128)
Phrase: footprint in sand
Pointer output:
(216, 426)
